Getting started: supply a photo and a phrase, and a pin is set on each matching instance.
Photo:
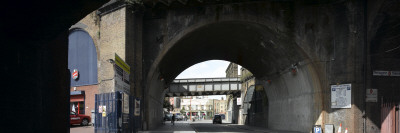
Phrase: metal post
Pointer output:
(213, 109)
(78, 108)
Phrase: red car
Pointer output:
(79, 119)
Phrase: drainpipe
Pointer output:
(365, 61)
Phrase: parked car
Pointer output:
(178, 117)
(84, 120)
(167, 117)
(222, 116)
(217, 119)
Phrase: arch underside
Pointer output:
(267, 54)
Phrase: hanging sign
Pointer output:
(341, 96)
(372, 95)
(75, 74)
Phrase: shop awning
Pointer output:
(77, 98)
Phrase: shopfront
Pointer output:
(77, 102)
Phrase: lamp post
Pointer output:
(213, 108)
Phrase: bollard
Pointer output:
(340, 128)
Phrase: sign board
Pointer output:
(239, 101)
(395, 73)
(122, 71)
(75, 74)
(104, 108)
(386, 73)
(125, 103)
(341, 96)
(100, 109)
(328, 128)
(317, 130)
(137, 107)
(372, 95)
(381, 73)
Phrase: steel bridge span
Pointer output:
(204, 86)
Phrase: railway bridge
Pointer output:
(299, 51)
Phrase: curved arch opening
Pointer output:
(280, 66)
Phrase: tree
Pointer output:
(183, 110)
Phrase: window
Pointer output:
(78, 107)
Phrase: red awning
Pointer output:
(77, 98)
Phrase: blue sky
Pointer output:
(207, 69)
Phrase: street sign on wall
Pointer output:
(75, 74)
(381, 73)
(122, 71)
(137, 107)
(341, 96)
(372, 95)
(385, 73)
(395, 73)
(239, 101)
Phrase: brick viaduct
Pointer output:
(331, 42)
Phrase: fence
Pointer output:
(114, 113)
(390, 117)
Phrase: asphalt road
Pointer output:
(221, 128)
(199, 126)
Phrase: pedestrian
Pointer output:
(173, 119)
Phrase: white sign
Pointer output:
(100, 109)
(125, 103)
(372, 95)
(395, 73)
(341, 96)
(239, 101)
(386, 73)
(104, 114)
(381, 73)
(137, 107)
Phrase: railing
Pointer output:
(205, 80)
(205, 84)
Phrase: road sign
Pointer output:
(317, 129)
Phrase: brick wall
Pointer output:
(112, 40)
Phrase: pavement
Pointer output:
(198, 126)
(259, 129)
(192, 127)
(167, 127)
(81, 129)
